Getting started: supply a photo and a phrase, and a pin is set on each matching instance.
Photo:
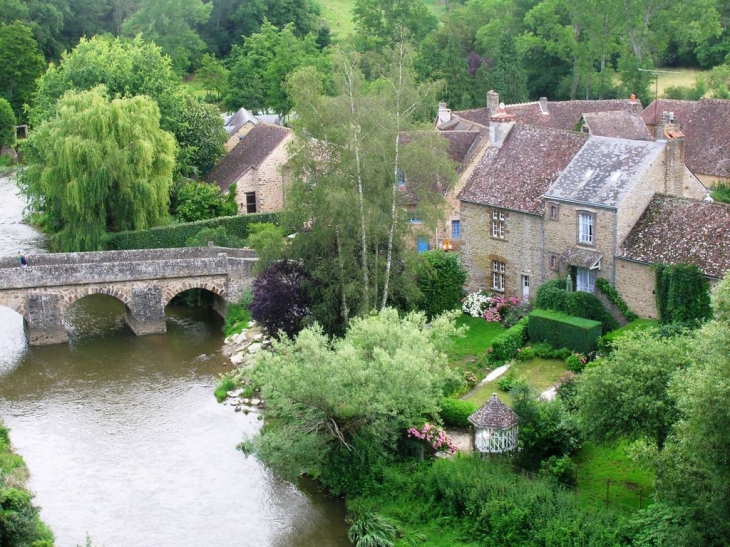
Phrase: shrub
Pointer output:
(440, 278)
(576, 362)
(514, 314)
(475, 303)
(561, 330)
(559, 469)
(615, 298)
(456, 412)
(511, 382)
(267, 240)
(371, 530)
(238, 315)
(525, 354)
(505, 345)
(682, 294)
(217, 235)
(279, 300)
(225, 384)
(498, 306)
(201, 201)
(7, 124)
(175, 235)
(552, 296)
(544, 350)
(721, 192)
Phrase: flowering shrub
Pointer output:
(576, 362)
(470, 378)
(498, 306)
(525, 354)
(475, 303)
(435, 437)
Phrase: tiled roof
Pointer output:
(494, 413)
(679, 230)
(460, 142)
(516, 175)
(560, 114)
(251, 151)
(706, 126)
(583, 258)
(620, 124)
(240, 118)
(604, 171)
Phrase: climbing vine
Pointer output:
(682, 294)
(615, 298)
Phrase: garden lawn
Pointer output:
(539, 373)
(629, 485)
(469, 353)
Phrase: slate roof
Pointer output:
(583, 258)
(516, 175)
(251, 151)
(706, 126)
(674, 230)
(494, 413)
(604, 170)
(560, 114)
(620, 124)
(236, 121)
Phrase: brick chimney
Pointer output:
(500, 124)
(444, 113)
(492, 101)
(634, 105)
(543, 105)
(674, 162)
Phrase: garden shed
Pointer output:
(495, 427)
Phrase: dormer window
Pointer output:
(586, 228)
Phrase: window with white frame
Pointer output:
(586, 228)
(585, 280)
(498, 221)
(497, 276)
(455, 229)
(553, 261)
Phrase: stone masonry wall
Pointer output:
(637, 199)
(521, 250)
(635, 283)
(267, 181)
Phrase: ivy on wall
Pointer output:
(682, 293)
(615, 298)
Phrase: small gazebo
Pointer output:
(495, 427)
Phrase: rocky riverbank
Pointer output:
(240, 349)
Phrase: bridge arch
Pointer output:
(75, 294)
(171, 290)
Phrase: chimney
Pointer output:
(444, 113)
(543, 105)
(492, 102)
(500, 124)
(634, 105)
(665, 125)
(674, 163)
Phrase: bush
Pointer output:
(175, 235)
(238, 315)
(456, 412)
(225, 384)
(561, 330)
(506, 344)
(267, 240)
(371, 530)
(682, 294)
(514, 314)
(279, 301)
(201, 201)
(525, 354)
(7, 124)
(552, 296)
(721, 192)
(217, 235)
(511, 382)
(440, 278)
(559, 469)
(576, 362)
(475, 303)
(544, 350)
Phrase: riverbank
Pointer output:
(19, 517)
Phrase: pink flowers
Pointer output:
(497, 306)
(435, 436)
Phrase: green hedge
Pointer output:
(552, 296)
(505, 345)
(682, 294)
(175, 235)
(615, 298)
(456, 412)
(561, 330)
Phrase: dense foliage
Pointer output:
(280, 301)
(615, 298)
(201, 201)
(176, 235)
(7, 124)
(456, 412)
(342, 405)
(217, 236)
(440, 279)
(21, 64)
(99, 166)
(564, 331)
(552, 296)
(506, 344)
(682, 294)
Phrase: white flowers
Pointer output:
(475, 304)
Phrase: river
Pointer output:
(124, 440)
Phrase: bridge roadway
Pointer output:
(143, 280)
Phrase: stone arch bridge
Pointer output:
(143, 280)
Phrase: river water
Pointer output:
(124, 439)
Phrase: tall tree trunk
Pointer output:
(345, 310)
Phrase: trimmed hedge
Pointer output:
(506, 344)
(456, 412)
(552, 296)
(615, 298)
(561, 330)
(175, 235)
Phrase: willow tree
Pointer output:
(99, 165)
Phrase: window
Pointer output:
(525, 287)
(554, 211)
(553, 261)
(585, 280)
(498, 223)
(497, 275)
(250, 202)
(586, 230)
(455, 229)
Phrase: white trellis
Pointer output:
(495, 426)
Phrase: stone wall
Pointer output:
(267, 181)
(635, 283)
(521, 250)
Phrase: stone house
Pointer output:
(255, 166)
(502, 209)
(706, 126)
(241, 122)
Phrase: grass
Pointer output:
(630, 485)
(721, 193)
(539, 373)
(673, 77)
(225, 385)
(478, 337)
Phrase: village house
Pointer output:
(706, 127)
(239, 123)
(254, 166)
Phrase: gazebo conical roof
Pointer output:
(494, 414)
